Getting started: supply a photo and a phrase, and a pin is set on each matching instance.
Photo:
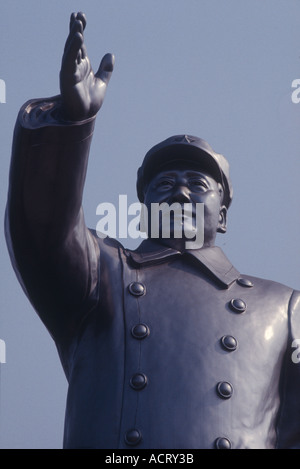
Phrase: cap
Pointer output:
(184, 149)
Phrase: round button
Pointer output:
(133, 437)
(138, 381)
(244, 282)
(140, 331)
(237, 305)
(229, 343)
(222, 443)
(137, 288)
(225, 389)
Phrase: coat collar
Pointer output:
(211, 258)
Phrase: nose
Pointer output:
(181, 194)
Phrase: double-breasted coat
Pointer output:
(161, 349)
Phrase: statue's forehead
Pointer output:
(183, 169)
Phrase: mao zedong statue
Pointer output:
(166, 346)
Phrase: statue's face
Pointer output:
(189, 186)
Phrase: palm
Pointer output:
(82, 91)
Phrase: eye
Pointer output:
(164, 184)
(198, 184)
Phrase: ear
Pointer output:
(222, 225)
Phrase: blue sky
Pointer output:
(219, 70)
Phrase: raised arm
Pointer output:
(53, 253)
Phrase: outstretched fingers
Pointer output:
(81, 17)
(75, 49)
(77, 24)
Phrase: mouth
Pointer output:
(170, 221)
(183, 225)
(183, 218)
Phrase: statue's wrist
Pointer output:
(38, 113)
(63, 115)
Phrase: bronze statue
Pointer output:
(163, 346)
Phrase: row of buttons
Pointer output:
(139, 380)
(134, 436)
(228, 342)
(139, 331)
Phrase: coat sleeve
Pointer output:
(288, 429)
(53, 254)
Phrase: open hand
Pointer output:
(82, 91)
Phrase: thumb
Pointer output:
(106, 68)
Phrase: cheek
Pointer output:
(211, 201)
(211, 207)
(152, 196)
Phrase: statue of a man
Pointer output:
(164, 346)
